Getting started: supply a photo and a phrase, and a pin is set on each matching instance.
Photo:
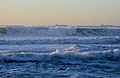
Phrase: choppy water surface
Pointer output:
(60, 52)
(60, 61)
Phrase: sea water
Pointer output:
(59, 56)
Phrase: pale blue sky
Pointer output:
(71, 12)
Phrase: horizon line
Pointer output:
(54, 25)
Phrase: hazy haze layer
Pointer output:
(78, 12)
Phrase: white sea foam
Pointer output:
(71, 53)
(61, 40)
(60, 31)
(60, 52)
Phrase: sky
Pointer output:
(50, 12)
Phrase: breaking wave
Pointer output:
(67, 55)
(60, 31)
(70, 52)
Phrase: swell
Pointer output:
(60, 31)
(61, 40)
(65, 56)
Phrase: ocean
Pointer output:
(59, 52)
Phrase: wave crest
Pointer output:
(71, 53)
